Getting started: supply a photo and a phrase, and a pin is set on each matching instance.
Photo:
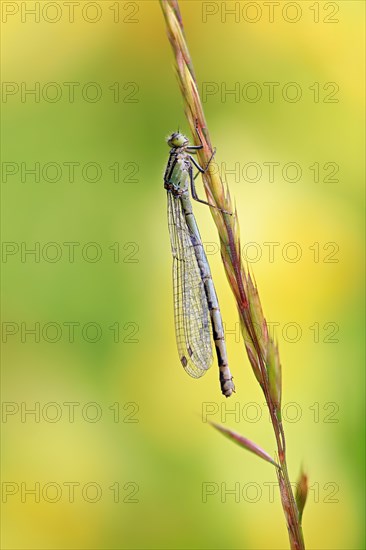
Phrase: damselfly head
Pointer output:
(177, 140)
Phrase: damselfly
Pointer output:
(195, 299)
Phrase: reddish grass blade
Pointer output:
(246, 443)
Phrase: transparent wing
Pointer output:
(192, 325)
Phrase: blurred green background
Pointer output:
(117, 452)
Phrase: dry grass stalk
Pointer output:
(261, 350)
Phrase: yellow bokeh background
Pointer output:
(138, 419)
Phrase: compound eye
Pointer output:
(177, 140)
